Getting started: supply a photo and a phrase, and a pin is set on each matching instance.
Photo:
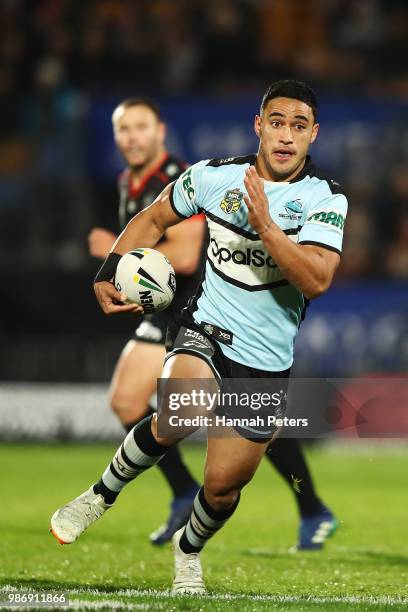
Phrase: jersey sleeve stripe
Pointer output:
(321, 244)
(171, 200)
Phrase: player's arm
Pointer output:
(144, 230)
(310, 268)
(100, 242)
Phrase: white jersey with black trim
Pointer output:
(243, 291)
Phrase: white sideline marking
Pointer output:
(366, 599)
(104, 598)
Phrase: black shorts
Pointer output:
(188, 337)
(152, 328)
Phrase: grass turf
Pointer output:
(247, 566)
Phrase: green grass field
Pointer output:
(247, 566)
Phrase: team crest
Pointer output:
(293, 210)
(232, 200)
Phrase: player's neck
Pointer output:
(137, 175)
(267, 173)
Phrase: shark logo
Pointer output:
(293, 210)
(294, 206)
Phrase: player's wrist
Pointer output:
(266, 228)
(107, 271)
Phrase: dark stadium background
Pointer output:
(63, 67)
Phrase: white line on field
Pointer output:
(367, 599)
(104, 598)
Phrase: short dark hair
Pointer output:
(291, 89)
(141, 101)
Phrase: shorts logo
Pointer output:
(232, 200)
(195, 343)
(331, 217)
(208, 328)
(248, 257)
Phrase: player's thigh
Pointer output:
(137, 371)
(231, 463)
(184, 373)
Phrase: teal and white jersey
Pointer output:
(243, 291)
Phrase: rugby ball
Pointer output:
(147, 278)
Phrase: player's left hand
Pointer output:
(256, 201)
(112, 301)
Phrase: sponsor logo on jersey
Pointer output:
(293, 210)
(247, 257)
(232, 200)
(332, 217)
(187, 184)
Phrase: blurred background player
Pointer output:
(140, 134)
(140, 137)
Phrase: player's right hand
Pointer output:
(111, 300)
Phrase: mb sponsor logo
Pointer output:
(247, 257)
(332, 217)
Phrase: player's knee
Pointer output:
(221, 492)
(126, 406)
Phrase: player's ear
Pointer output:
(257, 126)
(315, 131)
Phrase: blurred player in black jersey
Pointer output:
(140, 137)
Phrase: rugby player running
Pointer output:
(300, 253)
(139, 132)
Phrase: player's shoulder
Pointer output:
(324, 182)
(173, 167)
(231, 161)
(215, 173)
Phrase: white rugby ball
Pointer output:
(147, 278)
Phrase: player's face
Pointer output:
(286, 129)
(139, 135)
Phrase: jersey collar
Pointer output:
(308, 169)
